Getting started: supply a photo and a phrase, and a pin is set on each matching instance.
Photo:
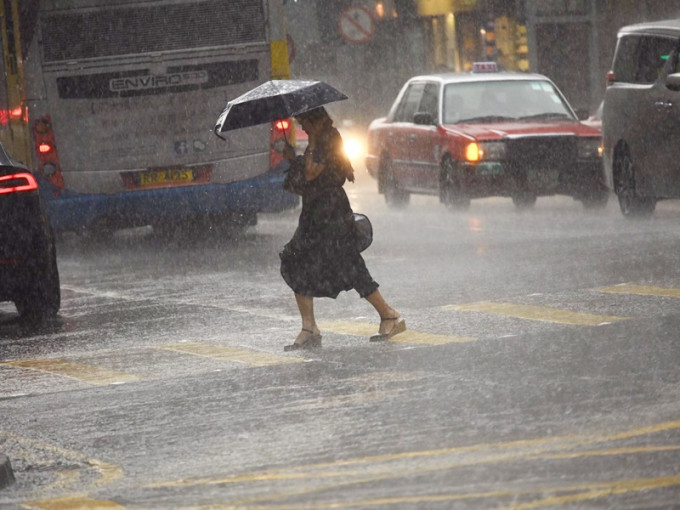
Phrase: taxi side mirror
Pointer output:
(423, 119)
(673, 81)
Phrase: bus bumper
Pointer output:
(71, 211)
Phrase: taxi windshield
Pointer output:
(499, 101)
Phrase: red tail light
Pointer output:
(17, 182)
(610, 78)
(280, 134)
(282, 125)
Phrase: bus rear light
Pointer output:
(49, 170)
(282, 125)
(17, 182)
(45, 146)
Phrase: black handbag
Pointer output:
(364, 231)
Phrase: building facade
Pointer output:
(570, 41)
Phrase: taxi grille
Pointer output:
(541, 152)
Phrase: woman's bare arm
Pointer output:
(312, 168)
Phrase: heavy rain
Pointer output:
(159, 255)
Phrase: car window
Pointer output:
(430, 101)
(640, 59)
(652, 57)
(498, 100)
(409, 103)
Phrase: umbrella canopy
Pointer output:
(275, 100)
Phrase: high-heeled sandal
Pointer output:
(398, 327)
(313, 341)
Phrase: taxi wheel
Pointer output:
(524, 201)
(596, 200)
(395, 197)
(630, 203)
(450, 192)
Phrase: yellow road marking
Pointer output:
(407, 337)
(641, 290)
(601, 490)
(586, 492)
(225, 353)
(536, 313)
(85, 373)
(72, 503)
(537, 448)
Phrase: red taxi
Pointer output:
(480, 134)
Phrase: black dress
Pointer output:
(322, 258)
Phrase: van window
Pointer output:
(640, 59)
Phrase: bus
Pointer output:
(113, 102)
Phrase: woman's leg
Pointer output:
(385, 311)
(306, 306)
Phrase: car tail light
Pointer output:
(14, 183)
(46, 148)
(610, 78)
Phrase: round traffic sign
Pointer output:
(356, 25)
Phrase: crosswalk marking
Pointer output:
(71, 502)
(225, 353)
(641, 290)
(536, 313)
(85, 373)
(407, 337)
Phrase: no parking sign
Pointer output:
(356, 25)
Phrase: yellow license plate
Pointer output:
(165, 177)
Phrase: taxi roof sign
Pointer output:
(484, 67)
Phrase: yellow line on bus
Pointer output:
(641, 290)
(407, 337)
(226, 353)
(81, 372)
(536, 313)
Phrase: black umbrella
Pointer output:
(275, 100)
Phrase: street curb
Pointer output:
(6, 473)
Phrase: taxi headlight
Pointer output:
(589, 148)
(354, 149)
(492, 151)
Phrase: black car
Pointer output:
(28, 263)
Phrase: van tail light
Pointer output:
(610, 78)
(46, 149)
(15, 183)
(280, 135)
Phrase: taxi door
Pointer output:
(423, 142)
(400, 131)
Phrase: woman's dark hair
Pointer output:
(321, 115)
(316, 114)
